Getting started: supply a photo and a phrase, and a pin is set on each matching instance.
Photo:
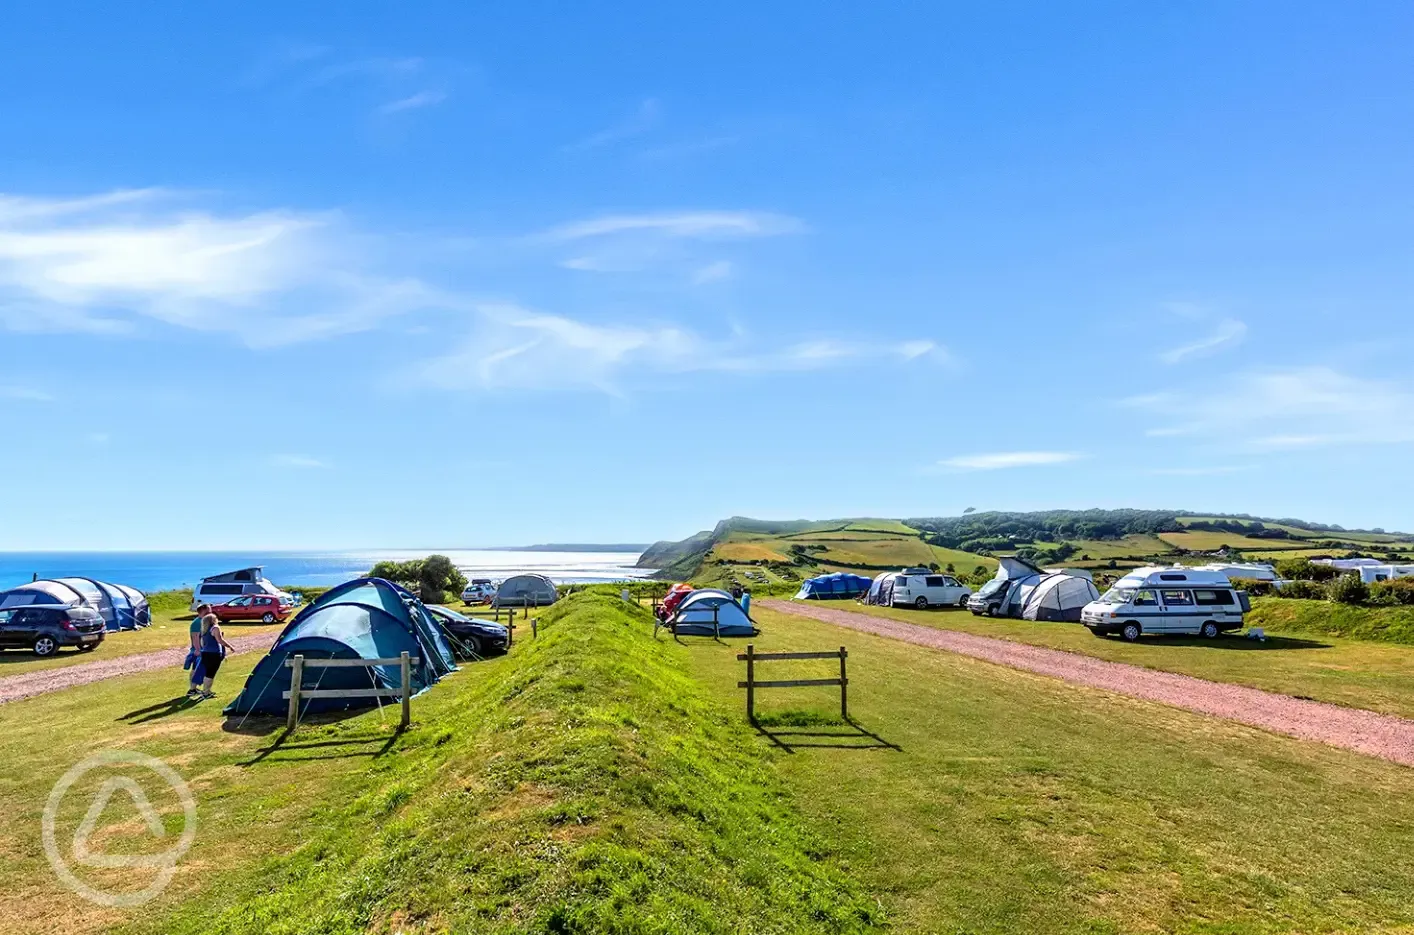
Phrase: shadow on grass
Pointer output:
(832, 733)
(1236, 642)
(160, 710)
(282, 744)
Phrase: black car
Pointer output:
(44, 629)
(470, 636)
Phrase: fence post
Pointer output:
(750, 682)
(407, 691)
(296, 677)
(844, 686)
(716, 624)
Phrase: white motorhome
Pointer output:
(1167, 600)
(221, 589)
(1372, 573)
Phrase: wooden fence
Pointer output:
(751, 657)
(298, 692)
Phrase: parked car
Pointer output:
(43, 629)
(267, 608)
(479, 591)
(471, 636)
(990, 598)
(929, 590)
(1167, 600)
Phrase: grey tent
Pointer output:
(525, 591)
(1059, 596)
(710, 612)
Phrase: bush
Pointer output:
(1253, 586)
(1400, 591)
(1303, 569)
(1348, 589)
(1303, 589)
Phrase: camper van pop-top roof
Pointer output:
(1156, 577)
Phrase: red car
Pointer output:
(250, 607)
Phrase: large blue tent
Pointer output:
(838, 586)
(368, 618)
(121, 607)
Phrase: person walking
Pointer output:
(193, 660)
(213, 650)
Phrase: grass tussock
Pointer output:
(590, 786)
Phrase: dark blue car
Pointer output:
(471, 637)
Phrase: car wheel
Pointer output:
(45, 646)
(921, 603)
(962, 602)
(1130, 632)
(473, 646)
(993, 610)
(267, 617)
(1210, 629)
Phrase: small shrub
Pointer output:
(1303, 589)
(1303, 569)
(1348, 589)
(1253, 586)
(1399, 591)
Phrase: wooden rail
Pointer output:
(298, 692)
(751, 657)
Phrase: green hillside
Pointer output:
(752, 551)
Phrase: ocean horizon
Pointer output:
(168, 570)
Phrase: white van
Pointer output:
(929, 590)
(221, 589)
(1167, 600)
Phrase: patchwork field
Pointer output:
(1207, 541)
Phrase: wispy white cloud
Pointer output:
(25, 394)
(712, 272)
(1001, 460)
(414, 102)
(702, 225)
(1213, 471)
(1295, 407)
(517, 348)
(644, 116)
(1227, 333)
(102, 264)
(296, 461)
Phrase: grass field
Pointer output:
(597, 780)
(1205, 541)
(1136, 547)
(1331, 619)
(1303, 662)
(1020, 804)
(746, 552)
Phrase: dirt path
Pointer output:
(1381, 735)
(15, 687)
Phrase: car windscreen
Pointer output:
(992, 587)
(1117, 596)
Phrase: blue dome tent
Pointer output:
(708, 612)
(835, 587)
(121, 607)
(368, 618)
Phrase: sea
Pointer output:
(162, 571)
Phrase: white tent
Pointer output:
(1058, 596)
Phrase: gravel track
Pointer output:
(15, 687)
(1380, 735)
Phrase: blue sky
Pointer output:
(290, 275)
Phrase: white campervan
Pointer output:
(221, 589)
(1167, 600)
(924, 588)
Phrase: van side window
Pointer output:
(950, 581)
(901, 581)
(221, 589)
(1145, 599)
(933, 581)
(1178, 598)
(1213, 598)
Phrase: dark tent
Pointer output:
(121, 607)
(838, 586)
(525, 591)
(368, 618)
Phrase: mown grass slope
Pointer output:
(589, 785)
(1329, 618)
